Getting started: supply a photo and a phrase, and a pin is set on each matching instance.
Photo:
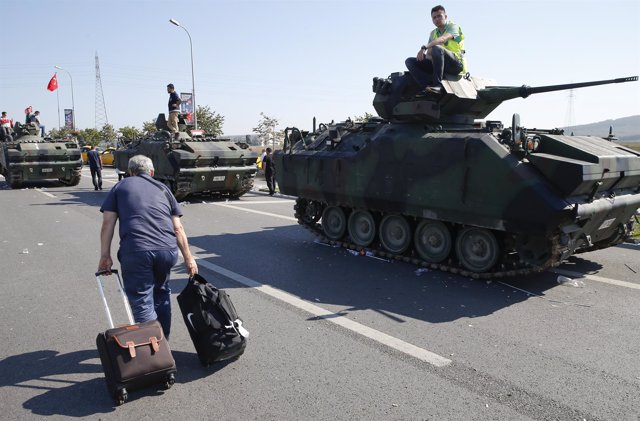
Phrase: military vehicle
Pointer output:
(428, 182)
(197, 164)
(25, 156)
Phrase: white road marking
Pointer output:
(265, 202)
(383, 338)
(596, 278)
(45, 193)
(275, 215)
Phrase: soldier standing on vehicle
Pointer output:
(174, 109)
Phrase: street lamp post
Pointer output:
(193, 83)
(73, 107)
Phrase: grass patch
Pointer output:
(632, 145)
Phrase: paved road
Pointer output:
(333, 335)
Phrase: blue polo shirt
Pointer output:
(144, 207)
(93, 157)
(174, 102)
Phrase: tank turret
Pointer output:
(462, 101)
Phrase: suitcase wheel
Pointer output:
(171, 379)
(121, 396)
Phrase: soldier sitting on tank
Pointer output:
(5, 127)
(35, 118)
(443, 54)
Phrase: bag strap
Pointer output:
(199, 282)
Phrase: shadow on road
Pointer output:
(59, 378)
(293, 262)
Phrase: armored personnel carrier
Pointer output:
(25, 156)
(428, 182)
(196, 164)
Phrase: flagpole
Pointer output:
(58, 95)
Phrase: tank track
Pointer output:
(450, 266)
(245, 187)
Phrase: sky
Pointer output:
(295, 60)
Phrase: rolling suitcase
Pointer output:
(212, 321)
(133, 356)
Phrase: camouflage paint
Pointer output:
(199, 165)
(428, 161)
(29, 157)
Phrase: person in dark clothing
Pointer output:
(174, 109)
(95, 165)
(151, 234)
(35, 118)
(269, 171)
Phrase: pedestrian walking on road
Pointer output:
(150, 236)
(269, 172)
(95, 165)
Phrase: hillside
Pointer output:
(626, 129)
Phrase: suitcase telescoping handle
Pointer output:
(127, 307)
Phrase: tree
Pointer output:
(363, 118)
(108, 134)
(90, 136)
(209, 121)
(266, 130)
(130, 133)
(149, 127)
(62, 133)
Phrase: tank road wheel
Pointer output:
(362, 227)
(334, 222)
(308, 211)
(477, 249)
(395, 234)
(14, 182)
(432, 241)
(75, 180)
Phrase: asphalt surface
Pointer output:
(333, 335)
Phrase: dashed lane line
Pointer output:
(266, 202)
(380, 337)
(45, 193)
(274, 215)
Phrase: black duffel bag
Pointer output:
(212, 321)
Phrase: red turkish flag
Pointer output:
(53, 83)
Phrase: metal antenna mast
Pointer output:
(101, 110)
(570, 117)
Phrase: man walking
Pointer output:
(269, 171)
(174, 109)
(443, 54)
(95, 165)
(150, 236)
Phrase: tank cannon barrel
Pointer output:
(496, 94)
